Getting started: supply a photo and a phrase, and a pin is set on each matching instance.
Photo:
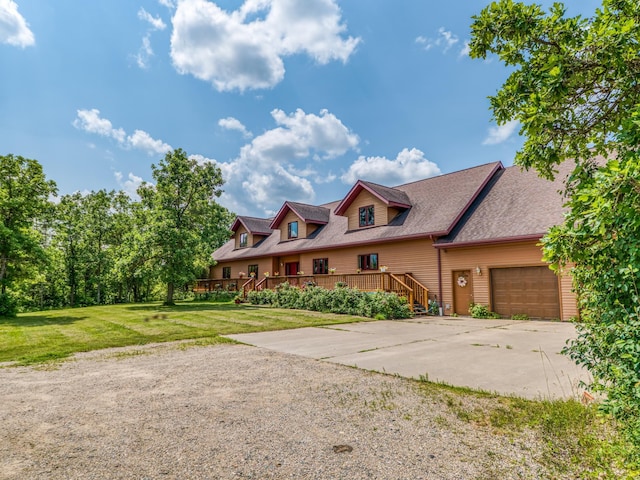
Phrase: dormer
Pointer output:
(371, 205)
(299, 220)
(249, 231)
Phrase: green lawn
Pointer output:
(41, 336)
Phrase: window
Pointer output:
(368, 262)
(244, 239)
(253, 269)
(366, 216)
(226, 272)
(320, 266)
(292, 230)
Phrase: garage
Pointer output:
(525, 290)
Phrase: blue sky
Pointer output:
(293, 99)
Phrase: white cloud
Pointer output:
(445, 40)
(155, 22)
(466, 49)
(90, 121)
(244, 49)
(300, 135)
(425, 42)
(167, 3)
(144, 53)
(143, 141)
(231, 123)
(130, 185)
(409, 165)
(274, 166)
(500, 133)
(14, 29)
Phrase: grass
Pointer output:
(577, 442)
(39, 337)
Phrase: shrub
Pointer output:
(433, 308)
(8, 305)
(380, 305)
(520, 316)
(477, 310)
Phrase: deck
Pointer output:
(401, 284)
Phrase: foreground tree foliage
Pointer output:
(576, 94)
(24, 207)
(183, 217)
(575, 80)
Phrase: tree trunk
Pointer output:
(3, 272)
(169, 294)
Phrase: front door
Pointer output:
(462, 291)
(291, 268)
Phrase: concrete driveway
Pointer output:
(505, 356)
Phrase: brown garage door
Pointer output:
(530, 290)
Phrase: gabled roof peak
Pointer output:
(388, 195)
(256, 226)
(311, 214)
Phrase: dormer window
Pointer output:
(366, 216)
(292, 230)
(244, 239)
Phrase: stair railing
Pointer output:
(421, 292)
(399, 287)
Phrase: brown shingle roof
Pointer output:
(516, 205)
(437, 205)
(307, 213)
(257, 226)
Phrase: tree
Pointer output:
(184, 216)
(576, 94)
(575, 79)
(69, 239)
(135, 273)
(24, 201)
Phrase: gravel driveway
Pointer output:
(237, 412)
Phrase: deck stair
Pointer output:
(419, 310)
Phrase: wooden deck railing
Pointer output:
(218, 285)
(401, 284)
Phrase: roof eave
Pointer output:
(491, 241)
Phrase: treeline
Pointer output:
(104, 247)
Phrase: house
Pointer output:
(470, 236)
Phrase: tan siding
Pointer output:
(255, 239)
(241, 230)
(415, 256)
(364, 199)
(284, 231)
(391, 213)
(264, 265)
(491, 256)
(568, 304)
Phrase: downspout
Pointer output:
(440, 282)
(441, 311)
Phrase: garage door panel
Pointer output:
(525, 290)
